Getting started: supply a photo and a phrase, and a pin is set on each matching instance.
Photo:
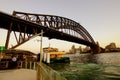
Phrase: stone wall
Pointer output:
(103, 58)
(108, 58)
(80, 58)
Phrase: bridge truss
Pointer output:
(28, 25)
(61, 24)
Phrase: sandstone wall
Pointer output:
(103, 58)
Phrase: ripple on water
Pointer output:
(89, 72)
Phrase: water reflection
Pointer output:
(90, 71)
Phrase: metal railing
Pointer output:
(44, 72)
(20, 64)
(4, 64)
(27, 64)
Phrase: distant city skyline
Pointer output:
(101, 18)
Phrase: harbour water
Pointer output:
(106, 67)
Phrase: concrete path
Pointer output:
(18, 74)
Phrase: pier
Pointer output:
(18, 74)
(30, 71)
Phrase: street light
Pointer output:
(41, 50)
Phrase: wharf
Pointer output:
(18, 74)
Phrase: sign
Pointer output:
(2, 48)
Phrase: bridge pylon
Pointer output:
(97, 49)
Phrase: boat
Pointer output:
(56, 56)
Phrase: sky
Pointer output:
(101, 18)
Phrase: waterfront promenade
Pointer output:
(18, 74)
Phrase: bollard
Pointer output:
(7, 64)
(34, 65)
(30, 64)
(21, 64)
(48, 58)
(26, 64)
(45, 57)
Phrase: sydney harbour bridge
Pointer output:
(27, 25)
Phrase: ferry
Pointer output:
(56, 56)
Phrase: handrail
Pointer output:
(44, 72)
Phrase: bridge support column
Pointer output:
(8, 36)
(95, 49)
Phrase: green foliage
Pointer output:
(2, 48)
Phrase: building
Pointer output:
(112, 48)
(20, 54)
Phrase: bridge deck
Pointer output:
(18, 74)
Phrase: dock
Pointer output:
(18, 74)
(30, 71)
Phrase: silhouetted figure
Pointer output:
(14, 62)
(38, 57)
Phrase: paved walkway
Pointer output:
(18, 74)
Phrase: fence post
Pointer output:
(30, 64)
(34, 65)
(26, 64)
(7, 64)
(21, 64)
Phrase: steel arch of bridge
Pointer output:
(58, 23)
(26, 25)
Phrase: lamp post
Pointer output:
(41, 50)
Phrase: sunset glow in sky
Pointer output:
(101, 18)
